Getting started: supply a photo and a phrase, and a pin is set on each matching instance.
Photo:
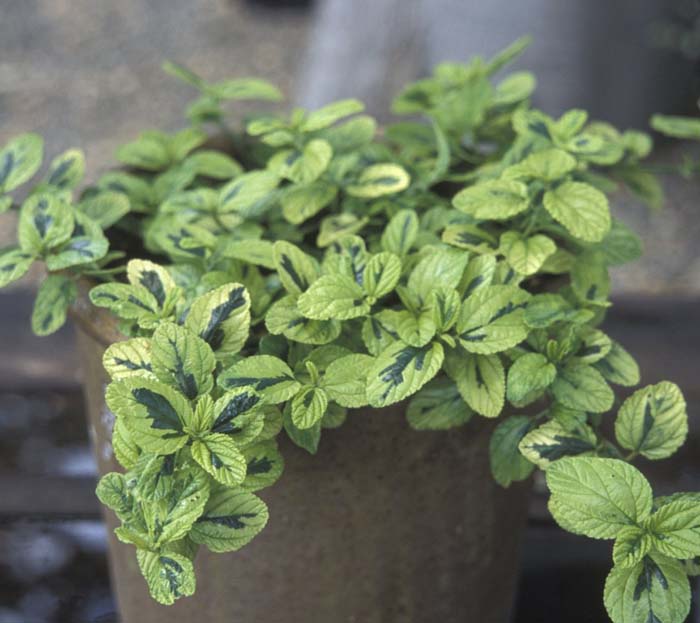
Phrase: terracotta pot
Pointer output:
(383, 525)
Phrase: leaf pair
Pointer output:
(606, 498)
(341, 380)
(150, 296)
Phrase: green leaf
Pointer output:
(20, 159)
(258, 252)
(414, 329)
(249, 194)
(156, 480)
(543, 310)
(442, 159)
(381, 274)
(264, 465)
(620, 246)
(675, 528)
(590, 280)
(284, 318)
(378, 180)
(305, 166)
(508, 54)
(328, 115)
(493, 200)
(113, 492)
(272, 423)
(66, 170)
(333, 297)
(153, 277)
(654, 590)
(676, 126)
(213, 164)
(526, 255)
(400, 234)
(238, 414)
(631, 545)
(481, 382)
(551, 441)
(379, 331)
(581, 209)
(231, 519)
(338, 226)
(56, 294)
(548, 165)
(644, 185)
(308, 438)
(169, 576)
(345, 380)
(595, 345)
(618, 367)
(269, 376)
(152, 411)
(219, 455)
(491, 319)
(528, 377)
(136, 189)
(246, 89)
(580, 386)
(334, 417)
(125, 449)
(445, 305)
(105, 208)
(172, 514)
(479, 274)
(508, 465)
(653, 421)
(14, 263)
(400, 371)
(182, 360)
(128, 358)
(468, 236)
(442, 267)
(183, 241)
(126, 301)
(149, 152)
(351, 135)
(438, 406)
(183, 142)
(597, 497)
(300, 203)
(222, 318)
(296, 270)
(86, 244)
(45, 222)
(308, 407)
(514, 88)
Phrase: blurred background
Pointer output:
(86, 73)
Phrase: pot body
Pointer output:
(383, 525)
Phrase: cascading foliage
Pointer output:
(301, 266)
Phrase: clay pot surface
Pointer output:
(383, 525)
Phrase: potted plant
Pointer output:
(438, 285)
